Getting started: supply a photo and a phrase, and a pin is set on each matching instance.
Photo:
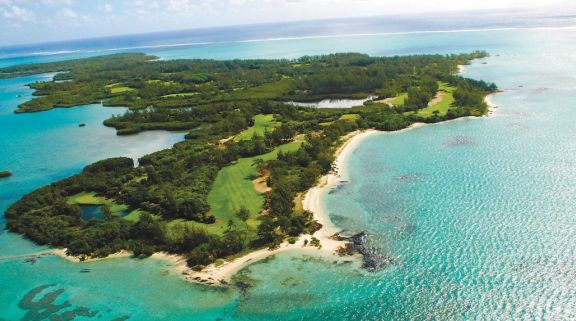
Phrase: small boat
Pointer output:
(85, 271)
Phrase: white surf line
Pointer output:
(400, 33)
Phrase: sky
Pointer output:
(32, 21)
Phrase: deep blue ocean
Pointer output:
(478, 214)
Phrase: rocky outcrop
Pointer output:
(373, 260)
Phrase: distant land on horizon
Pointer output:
(334, 27)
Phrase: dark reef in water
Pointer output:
(373, 260)
(242, 286)
(45, 308)
(459, 141)
(4, 174)
(40, 304)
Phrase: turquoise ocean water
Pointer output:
(478, 214)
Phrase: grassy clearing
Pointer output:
(398, 100)
(233, 188)
(133, 216)
(299, 203)
(118, 88)
(261, 124)
(162, 82)
(266, 91)
(441, 106)
(350, 117)
(181, 95)
(92, 199)
(217, 229)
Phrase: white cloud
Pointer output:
(178, 5)
(57, 2)
(68, 13)
(143, 9)
(106, 7)
(33, 20)
(18, 13)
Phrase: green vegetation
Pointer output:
(445, 101)
(139, 81)
(85, 198)
(397, 101)
(180, 95)
(262, 124)
(198, 198)
(350, 117)
(119, 90)
(233, 187)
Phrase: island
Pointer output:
(5, 174)
(238, 184)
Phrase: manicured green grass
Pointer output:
(181, 95)
(398, 100)
(261, 124)
(350, 117)
(117, 88)
(92, 199)
(133, 216)
(217, 229)
(158, 81)
(443, 105)
(233, 188)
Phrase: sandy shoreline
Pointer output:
(491, 104)
(76, 259)
(221, 274)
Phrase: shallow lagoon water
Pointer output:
(333, 103)
(479, 214)
(39, 148)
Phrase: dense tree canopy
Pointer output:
(215, 101)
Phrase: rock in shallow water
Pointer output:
(4, 174)
(373, 260)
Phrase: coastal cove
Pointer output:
(178, 200)
(223, 273)
(400, 187)
(313, 201)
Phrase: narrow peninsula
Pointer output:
(244, 179)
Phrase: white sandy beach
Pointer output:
(491, 105)
(222, 273)
(76, 259)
